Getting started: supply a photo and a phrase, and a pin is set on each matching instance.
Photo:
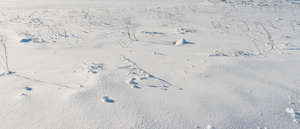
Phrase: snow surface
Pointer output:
(150, 64)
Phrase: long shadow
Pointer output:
(34, 80)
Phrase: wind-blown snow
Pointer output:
(150, 64)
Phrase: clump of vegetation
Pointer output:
(4, 55)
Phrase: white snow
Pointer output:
(150, 64)
(290, 110)
(180, 42)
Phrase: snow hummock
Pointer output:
(180, 42)
(290, 110)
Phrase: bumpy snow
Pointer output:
(149, 64)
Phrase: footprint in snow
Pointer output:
(95, 68)
(28, 88)
(25, 40)
(142, 77)
(26, 93)
(106, 99)
(133, 82)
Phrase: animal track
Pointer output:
(133, 82)
(26, 92)
(95, 68)
(89, 72)
(141, 77)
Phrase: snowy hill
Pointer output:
(149, 64)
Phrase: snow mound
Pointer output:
(181, 42)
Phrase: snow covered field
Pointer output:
(150, 64)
